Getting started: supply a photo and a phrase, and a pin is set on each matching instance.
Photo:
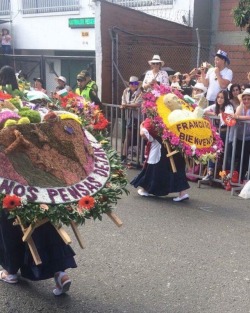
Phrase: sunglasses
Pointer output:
(156, 63)
(81, 80)
(134, 83)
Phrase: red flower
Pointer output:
(4, 96)
(101, 123)
(10, 202)
(86, 203)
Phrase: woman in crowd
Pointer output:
(234, 91)
(221, 105)
(56, 256)
(155, 75)
(6, 41)
(157, 177)
(131, 100)
(243, 114)
(39, 85)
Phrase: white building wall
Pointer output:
(51, 31)
(180, 11)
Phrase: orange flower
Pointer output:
(44, 207)
(10, 202)
(86, 203)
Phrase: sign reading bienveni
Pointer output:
(56, 195)
(194, 132)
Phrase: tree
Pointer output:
(241, 15)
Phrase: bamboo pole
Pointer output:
(77, 234)
(114, 218)
(170, 156)
(31, 245)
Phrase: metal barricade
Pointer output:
(236, 158)
(124, 133)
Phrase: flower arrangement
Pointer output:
(86, 208)
(158, 112)
(92, 117)
(227, 178)
(89, 206)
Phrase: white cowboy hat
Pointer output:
(177, 86)
(200, 86)
(62, 78)
(246, 92)
(133, 79)
(156, 59)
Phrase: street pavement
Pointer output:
(189, 257)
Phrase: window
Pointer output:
(142, 3)
(49, 6)
(4, 7)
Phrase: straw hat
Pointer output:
(156, 59)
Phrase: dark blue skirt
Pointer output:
(159, 180)
(15, 255)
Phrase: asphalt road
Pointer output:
(190, 257)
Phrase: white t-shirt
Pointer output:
(213, 86)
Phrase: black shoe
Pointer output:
(123, 159)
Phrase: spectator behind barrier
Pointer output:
(243, 114)
(155, 75)
(131, 99)
(221, 105)
(217, 78)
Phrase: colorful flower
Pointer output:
(158, 114)
(86, 203)
(11, 202)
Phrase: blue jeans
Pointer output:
(6, 49)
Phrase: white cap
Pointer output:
(62, 78)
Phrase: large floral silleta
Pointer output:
(181, 125)
(57, 165)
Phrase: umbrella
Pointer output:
(37, 95)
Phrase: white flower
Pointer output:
(215, 147)
(24, 200)
(193, 148)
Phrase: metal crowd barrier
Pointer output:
(232, 160)
(124, 122)
(232, 156)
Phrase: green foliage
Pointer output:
(13, 93)
(32, 115)
(241, 15)
(16, 102)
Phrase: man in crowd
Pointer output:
(87, 88)
(91, 83)
(62, 83)
(218, 77)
